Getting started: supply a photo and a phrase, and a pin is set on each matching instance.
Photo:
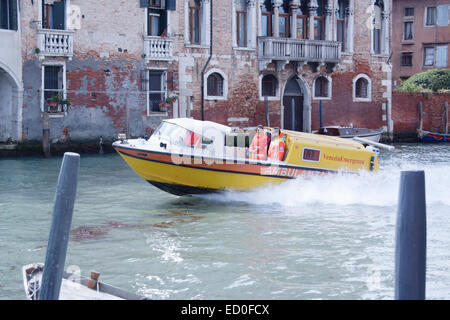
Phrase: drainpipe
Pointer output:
(209, 58)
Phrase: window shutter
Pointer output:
(162, 22)
(144, 3)
(442, 13)
(441, 56)
(13, 14)
(58, 10)
(171, 4)
(144, 80)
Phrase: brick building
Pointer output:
(120, 63)
(420, 37)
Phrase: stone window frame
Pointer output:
(369, 88)
(403, 31)
(277, 96)
(330, 86)
(64, 79)
(147, 92)
(204, 25)
(224, 95)
(66, 14)
(425, 16)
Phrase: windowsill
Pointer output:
(196, 46)
(212, 98)
(243, 49)
(362, 100)
(346, 53)
(276, 98)
(7, 30)
(56, 114)
(322, 98)
(380, 55)
(157, 114)
(406, 66)
(408, 41)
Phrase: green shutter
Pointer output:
(171, 4)
(13, 14)
(58, 11)
(162, 21)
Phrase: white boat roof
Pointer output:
(206, 129)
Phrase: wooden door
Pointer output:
(293, 113)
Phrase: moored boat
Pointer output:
(427, 136)
(212, 163)
(350, 132)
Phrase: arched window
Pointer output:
(362, 88)
(266, 18)
(377, 26)
(269, 86)
(322, 87)
(215, 85)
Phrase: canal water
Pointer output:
(320, 238)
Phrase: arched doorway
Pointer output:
(8, 107)
(293, 106)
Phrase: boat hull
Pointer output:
(196, 175)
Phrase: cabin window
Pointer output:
(53, 14)
(311, 155)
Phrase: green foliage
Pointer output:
(432, 80)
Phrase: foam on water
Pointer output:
(366, 188)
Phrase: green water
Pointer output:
(320, 238)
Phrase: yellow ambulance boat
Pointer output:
(218, 159)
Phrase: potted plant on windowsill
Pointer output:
(53, 103)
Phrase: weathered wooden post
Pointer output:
(446, 117)
(59, 232)
(410, 247)
(321, 113)
(266, 104)
(420, 116)
(46, 134)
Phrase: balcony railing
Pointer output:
(158, 48)
(55, 43)
(299, 50)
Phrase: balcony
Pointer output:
(299, 50)
(55, 43)
(158, 48)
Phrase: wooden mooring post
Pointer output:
(60, 228)
(410, 242)
(46, 134)
(446, 117)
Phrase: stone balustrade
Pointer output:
(55, 43)
(158, 48)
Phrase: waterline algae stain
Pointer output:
(316, 238)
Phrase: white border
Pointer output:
(330, 88)
(369, 88)
(277, 90)
(225, 85)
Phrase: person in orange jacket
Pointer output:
(258, 147)
(278, 145)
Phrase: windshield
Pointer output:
(180, 136)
